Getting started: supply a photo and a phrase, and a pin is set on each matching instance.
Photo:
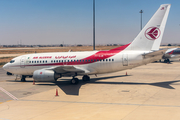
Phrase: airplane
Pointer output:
(172, 54)
(49, 67)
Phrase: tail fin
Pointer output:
(151, 35)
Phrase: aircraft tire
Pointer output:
(23, 78)
(86, 78)
(74, 81)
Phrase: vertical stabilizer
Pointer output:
(151, 35)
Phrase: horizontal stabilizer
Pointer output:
(159, 53)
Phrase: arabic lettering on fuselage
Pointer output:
(64, 57)
(56, 57)
(42, 57)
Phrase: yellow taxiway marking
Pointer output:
(8, 100)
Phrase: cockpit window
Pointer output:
(12, 61)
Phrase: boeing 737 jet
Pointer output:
(142, 50)
(172, 54)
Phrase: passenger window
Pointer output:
(46, 61)
(34, 61)
(79, 60)
(103, 59)
(64, 60)
(91, 60)
(56, 60)
(74, 60)
(97, 59)
(106, 59)
(40, 61)
(94, 60)
(88, 60)
(37, 61)
(109, 59)
(112, 59)
(43, 61)
(51, 60)
(68, 60)
(29, 61)
(71, 60)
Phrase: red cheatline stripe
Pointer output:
(100, 55)
(171, 52)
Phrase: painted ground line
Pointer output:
(9, 94)
(150, 105)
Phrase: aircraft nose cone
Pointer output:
(5, 67)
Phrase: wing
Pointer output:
(68, 71)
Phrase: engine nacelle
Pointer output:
(45, 75)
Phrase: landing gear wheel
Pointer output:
(167, 61)
(74, 81)
(86, 78)
(23, 78)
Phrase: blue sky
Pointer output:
(70, 21)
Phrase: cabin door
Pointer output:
(22, 62)
(125, 59)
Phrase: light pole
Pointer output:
(141, 18)
(93, 24)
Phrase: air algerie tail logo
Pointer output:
(152, 33)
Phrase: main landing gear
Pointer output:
(23, 78)
(76, 80)
(167, 61)
(86, 78)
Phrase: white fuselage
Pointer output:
(92, 62)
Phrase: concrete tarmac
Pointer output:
(150, 92)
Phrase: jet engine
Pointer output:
(45, 75)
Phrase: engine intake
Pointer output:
(45, 75)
